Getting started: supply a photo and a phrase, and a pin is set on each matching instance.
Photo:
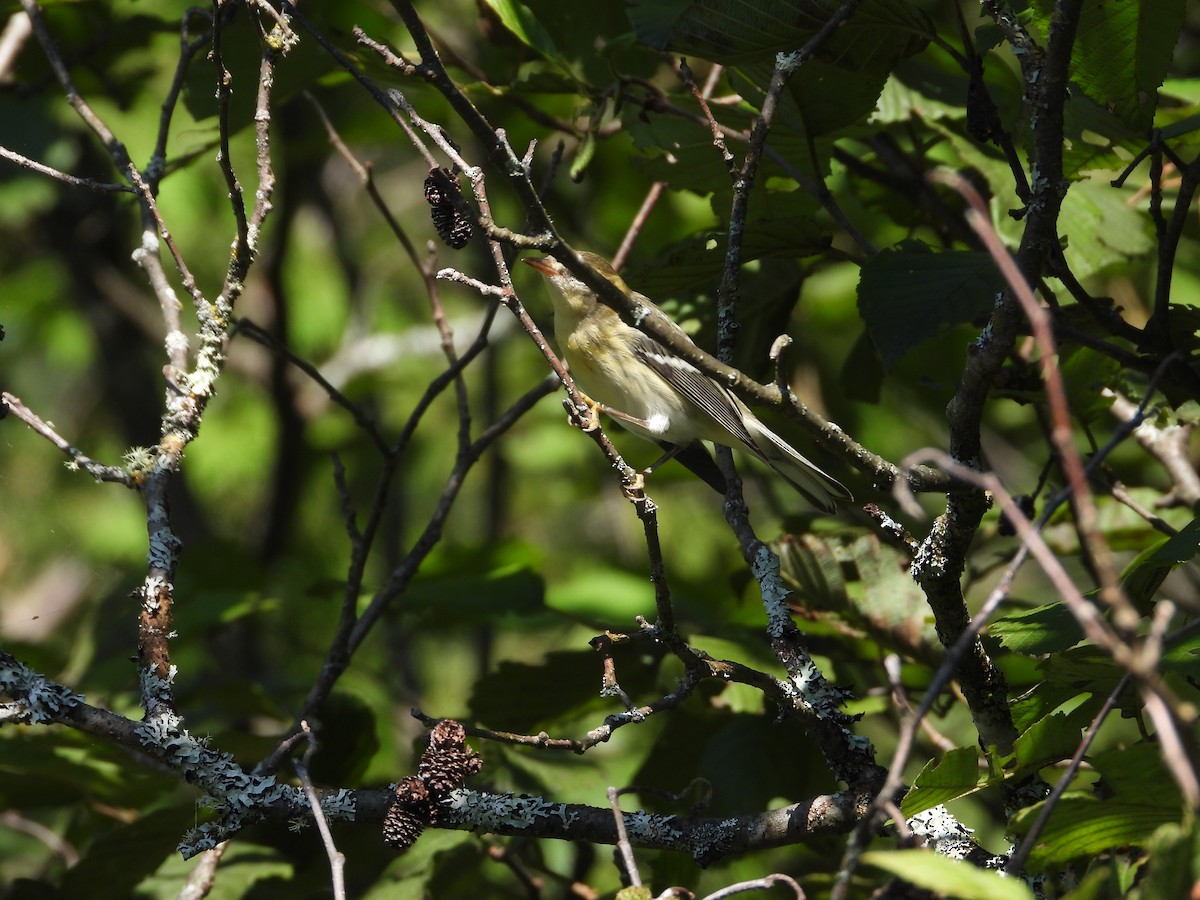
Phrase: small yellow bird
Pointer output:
(660, 396)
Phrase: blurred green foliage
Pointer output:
(540, 552)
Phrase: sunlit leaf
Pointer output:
(949, 877)
(955, 775)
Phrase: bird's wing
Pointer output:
(697, 387)
(740, 423)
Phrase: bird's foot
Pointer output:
(584, 416)
(635, 486)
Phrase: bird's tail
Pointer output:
(823, 490)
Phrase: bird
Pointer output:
(656, 394)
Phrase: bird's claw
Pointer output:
(584, 416)
(635, 487)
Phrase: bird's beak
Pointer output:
(545, 266)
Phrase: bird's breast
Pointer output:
(611, 374)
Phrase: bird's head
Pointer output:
(580, 298)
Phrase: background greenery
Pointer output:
(541, 552)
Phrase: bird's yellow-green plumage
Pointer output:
(655, 393)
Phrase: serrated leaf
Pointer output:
(520, 20)
(459, 600)
(1104, 230)
(864, 583)
(1085, 669)
(1121, 53)
(947, 877)
(835, 87)
(1144, 576)
(1049, 740)
(1095, 140)
(820, 99)
(1138, 773)
(810, 565)
(1045, 629)
(117, 862)
(676, 151)
(735, 31)
(908, 293)
(698, 263)
(1083, 826)
(954, 775)
(1175, 851)
(563, 685)
(930, 88)
(1183, 657)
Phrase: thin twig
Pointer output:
(623, 845)
(78, 459)
(203, 875)
(758, 884)
(366, 422)
(337, 859)
(104, 187)
(16, 34)
(637, 223)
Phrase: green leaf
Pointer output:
(1144, 576)
(1049, 740)
(698, 263)
(863, 582)
(602, 596)
(520, 20)
(563, 685)
(748, 759)
(1084, 826)
(819, 99)
(1138, 773)
(1174, 870)
(907, 294)
(1121, 54)
(737, 31)
(947, 877)
(119, 860)
(675, 150)
(248, 869)
(457, 601)
(835, 87)
(1095, 141)
(1045, 629)
(44, 767)
(588, 53)
(1085, 372)
(1084, 670)
(1183, 657)
(1105, 231)
(955, 775)
(1178, 114)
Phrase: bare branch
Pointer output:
(78, 459)
(103, 187)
